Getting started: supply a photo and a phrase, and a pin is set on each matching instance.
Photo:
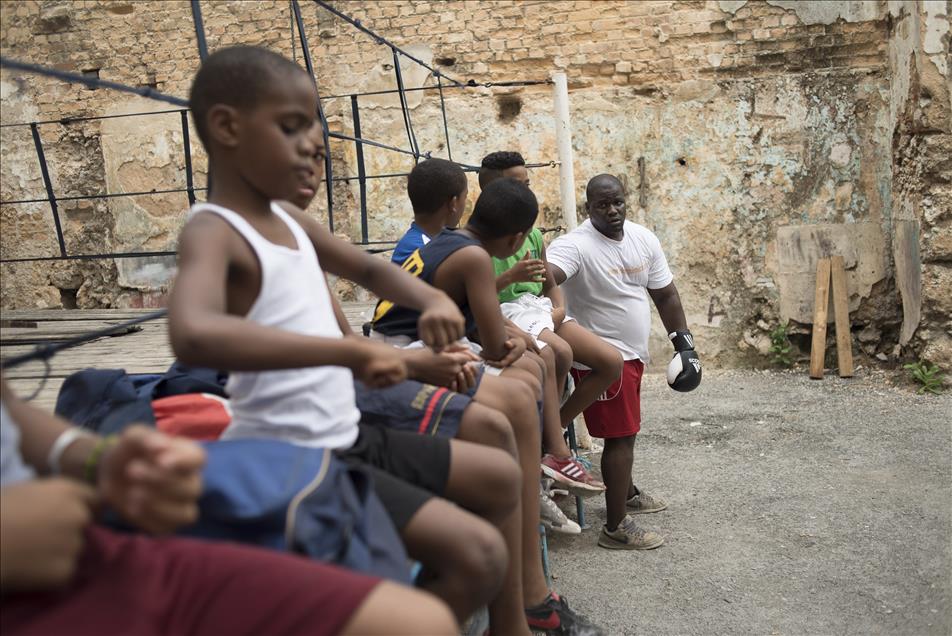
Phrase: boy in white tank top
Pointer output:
(251, 298)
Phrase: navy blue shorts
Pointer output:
(414, 406)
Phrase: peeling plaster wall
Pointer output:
(921, 129)
(759, 123)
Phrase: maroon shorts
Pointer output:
(617, 411)
(131, 584)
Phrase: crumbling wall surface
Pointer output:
(921, 129)
(755, 121)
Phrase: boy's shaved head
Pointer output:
(237, 76)
(495, 164)
(434, 182)
(505, 207)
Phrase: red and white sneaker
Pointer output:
(572, 475)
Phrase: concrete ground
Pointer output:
(796, 507)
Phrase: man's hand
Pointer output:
(41, 532)
(376, 364)
(451, 367)
(153, 480)
(441, 324)
(525, 270)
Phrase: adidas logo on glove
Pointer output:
(684, 370)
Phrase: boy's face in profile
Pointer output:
(306, 193)
(458, 207)
(519, 173)
(274, 143)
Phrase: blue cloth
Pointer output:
(108, 400)
(304, 500)
(411, 241)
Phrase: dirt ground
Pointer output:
(795, 507)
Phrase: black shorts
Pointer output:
(414, 407)
(408, 469)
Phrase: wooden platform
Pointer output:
(142, 349)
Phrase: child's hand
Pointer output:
(451, 367)
(516, 349)
(378, 365)
(41, 532)
(517, 333)
(558, 316)
(152, 479)
(441, 324)
(527, 270)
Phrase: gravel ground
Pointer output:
(795, 507)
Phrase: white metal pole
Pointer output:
(563, 134)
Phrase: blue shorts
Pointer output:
(414, 406)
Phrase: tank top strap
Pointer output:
(300, 234)
(236, 221)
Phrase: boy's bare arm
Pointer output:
(472, 266)
(204, 334)
(441, 322)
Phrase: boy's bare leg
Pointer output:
(617, 459)
(394, 609)
(468, 487)
(602, 358)
(463, 555)
(552, 432)
(518, 403)
(563, 358)
(457, 546)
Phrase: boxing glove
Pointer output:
(684, 370)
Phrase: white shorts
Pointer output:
(532, 314)
(404, 342)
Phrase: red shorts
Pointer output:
(617, 411)
(131, 584)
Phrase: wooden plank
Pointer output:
(50, 315)
(820, 305)
(841, 313)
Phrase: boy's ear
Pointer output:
(223, 125)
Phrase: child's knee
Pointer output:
(490, 428)
(610, 362)
(482, 558)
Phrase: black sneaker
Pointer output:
(554, 618)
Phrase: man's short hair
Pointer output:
(432, 183)
(495, 163)
(504, 207)
(237, 76)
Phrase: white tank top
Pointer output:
(314, 406)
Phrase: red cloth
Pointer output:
(197, 416)
(131, 584)
(617, 411)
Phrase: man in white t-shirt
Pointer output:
(607, 269)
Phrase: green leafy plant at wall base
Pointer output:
(927, 376)
(780, 348)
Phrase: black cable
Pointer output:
(92, 82)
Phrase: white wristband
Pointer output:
(59, 447)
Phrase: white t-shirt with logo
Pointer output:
(607, 283)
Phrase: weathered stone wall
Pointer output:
(766, 130)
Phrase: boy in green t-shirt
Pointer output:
(530, 298)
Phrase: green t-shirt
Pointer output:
(533, 245)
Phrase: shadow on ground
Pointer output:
(796, 507)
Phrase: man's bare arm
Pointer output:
(668, 302)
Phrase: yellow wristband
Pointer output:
(95, 456)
